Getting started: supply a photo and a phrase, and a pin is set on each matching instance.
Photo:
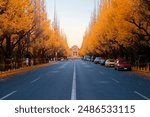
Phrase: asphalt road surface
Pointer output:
(75, 80)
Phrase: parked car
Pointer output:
(122, 65)
(62, 59)
(102, 61)
(110, 63)
(93, 58)
(97, 60)
(87, 58)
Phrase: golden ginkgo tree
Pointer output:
(122, 29)
(26, 32)
(15, 23)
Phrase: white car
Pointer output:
(110, 63)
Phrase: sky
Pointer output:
(73, 16)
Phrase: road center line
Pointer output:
(141, 95)
(115, 80)
(8, 95)
(73, 92)
(35, 80)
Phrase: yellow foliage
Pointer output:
(18, 16)
(24, 26)
(119, 24)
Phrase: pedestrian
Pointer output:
(27, 61)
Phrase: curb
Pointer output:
(143, 73)
(21, 70)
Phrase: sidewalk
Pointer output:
(20, 70)
(144, 73)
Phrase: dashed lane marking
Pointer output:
(63, 66)
(55, 71)
(101, 72)
(115, 80)
(141, 95)
(8, 95)
(34, 80)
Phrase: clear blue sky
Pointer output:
(74, 17)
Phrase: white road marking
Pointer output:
(63, 66)
(115, 80)
(35, 80)
(104, 82)
(141, 95)
(73, 92)
(8, 95)
(54, 71)
(101, 72)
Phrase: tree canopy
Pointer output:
(26, 32)
(121, 29)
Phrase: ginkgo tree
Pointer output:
(26, 32)
(15, 22)
(121, 29)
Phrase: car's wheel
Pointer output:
(117, 69)
(129, 69)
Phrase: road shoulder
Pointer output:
(21, 70)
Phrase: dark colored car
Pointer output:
(102, 61)
(122, 65)
(86, 58)
(97, 60)
(93, 58)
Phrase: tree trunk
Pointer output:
(8, 53)
(19, 56)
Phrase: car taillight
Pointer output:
(120, 65)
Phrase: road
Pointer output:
(75, 80)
